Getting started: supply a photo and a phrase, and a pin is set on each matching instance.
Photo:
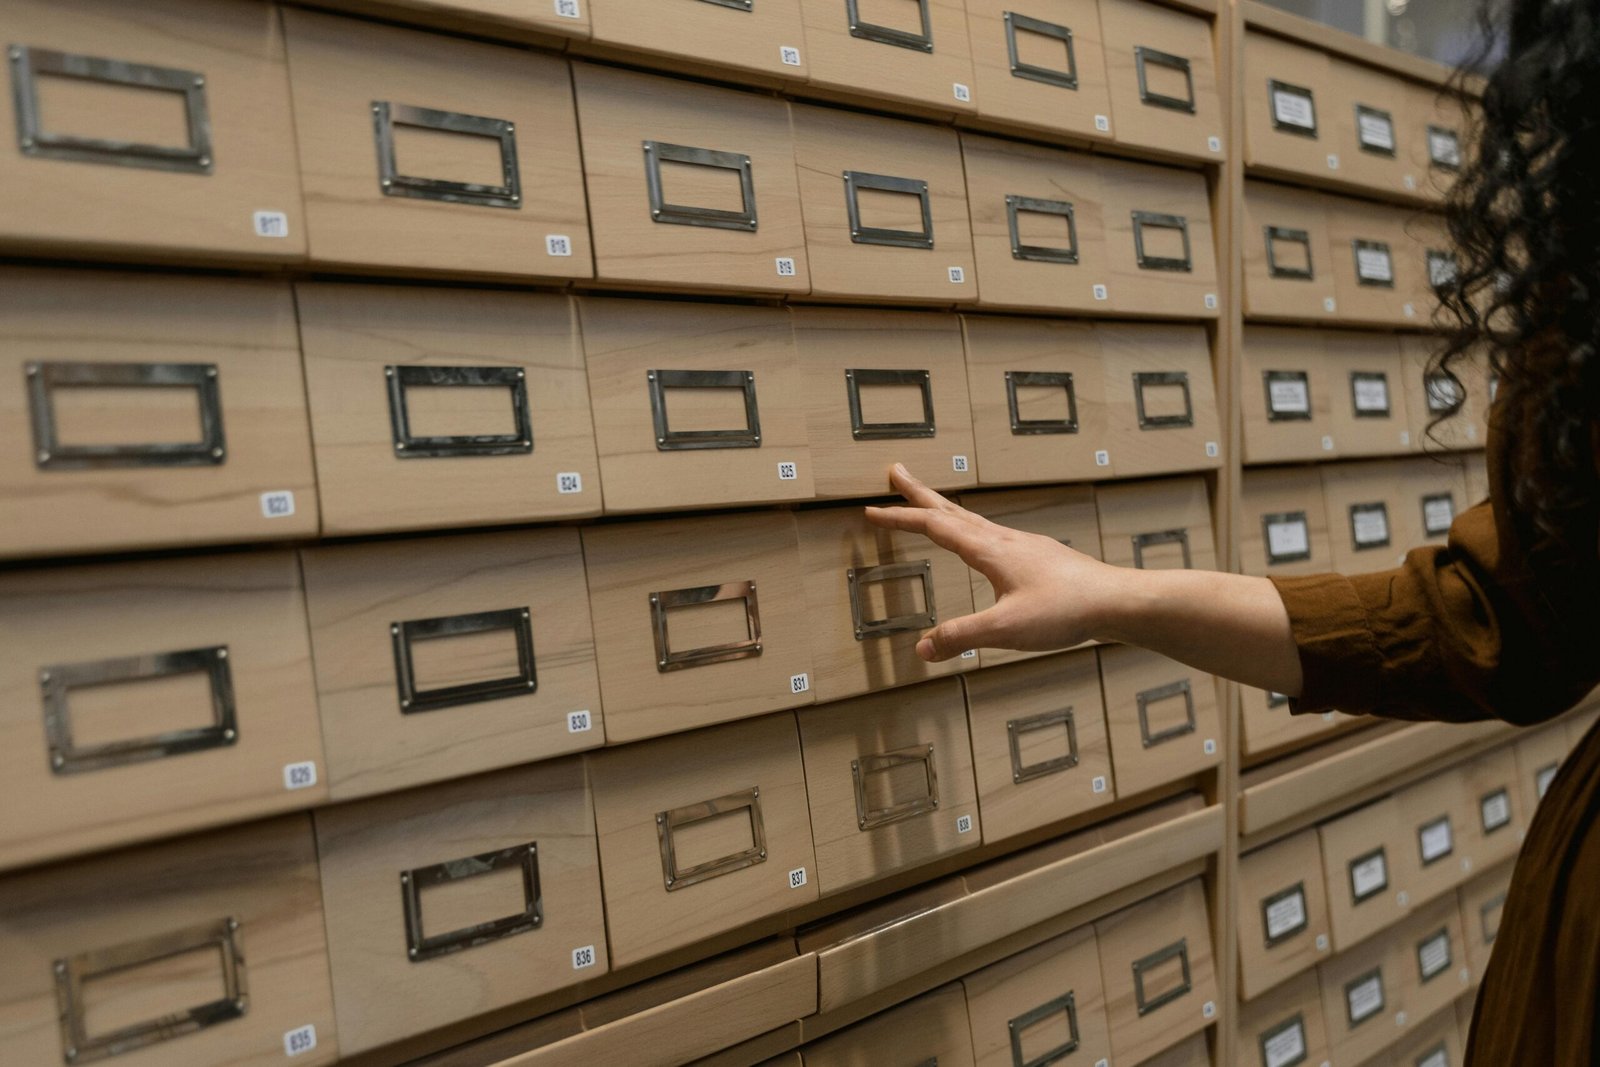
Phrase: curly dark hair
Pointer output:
(1524, 214)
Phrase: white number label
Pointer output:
(1437, 1058)
(1333, 161)
(1208, 1010)
(970, 653)
(557, 244)
(958, 275)
(1329, 303)
(1214, 143)
(963, 93)
(1409, 309)
(277, 505)
(579, 722)
(787, 471)
(1294, 109)
(797, 878)
(568, 9)
(785, 267)
(1327, 442)
(1210, 301)
(958, 464)
(800, 683)
(569, 482)
(1102, 458)
(1213, 450)
(789, 55)
(1102, 123)
(583, 957)
(271, 224)
(1098, 785)
(1409, 181)
(303, 1039)
(1209, 746)
(300, 775)
(1545, 777)
(1322, 943)
(1100, 293)
(964, 824)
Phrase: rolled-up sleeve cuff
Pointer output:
(1339, 659)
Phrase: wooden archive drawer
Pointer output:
(1289, 102)
(1156, 960)
(697, 621)
(166, 135)
(1436, 971)
(1374, 270)
(701, 833)
(1285, 1027)
(1368, 384)
(1159, 63)
(1285, 522)
(1288, 257)
(1369, 518)
(1367, 858)
(477, 165)
(871, 594)
(691, 185)
(1160, 398)
(1158, 241)
(1038, 399)
(1065, 513)
(1283, 912)
(204, 951)
(1434, 129)
(1496, 820)
(694, 404)
(914, 51)
(764, 40)
(1041, 67)
(443, 407)
(1157, 525)
(143, 411)
(152, 697)
(1365, 999)
(446, 656)
(885, 207)
(1430, 395)
(1434, 488)
(882, 387)
(932, 1029)
(1434, 815)
(1039, 746)
(889, 779)
(1539, 757)
(1288, 397)
(1161, 718)
(1481, 901)
(498, 902)
(1038, 230)
(1367, 127)
(1041, 1006)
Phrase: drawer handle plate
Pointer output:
(1066, 1003)
(667, 822)
(856, 180)
(1295, 1024)
(1274, 87)
(404, 635)
(1016, 728)
(1285, 518)
(1178, 950)
(57, 682)
(412, 446)
(1268, 938)
(420, 946)
(1288, 235)
(670, 440)
(659, 152)
(34, 140)
(1064, 79)
(1042, 253)
(1357, 380)
(1375, 114)
(663, 602)
(868, 818)
(1178, 537)
(859, 577)
(860, 430)
(1358, 246)
(1157, 220)
(867, 31)
(1021, 427)
(1144, 57)
(50, 454)
(1160, 693)
(71, 974)
(386, 116)
(1144, 379)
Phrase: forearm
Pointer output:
(1223, 624)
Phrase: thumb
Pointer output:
(949, 639)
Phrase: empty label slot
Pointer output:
(1164, 978)
(717, 622)
(1163, 242)
(459, 410)
(724, 834)
(1050, 1033)
(1044, 744)
(892, 599)
(885, 209)
(1163, 80)
(1042, 50)
(693, 185)
(1043, 403)
(146, 415)
(1290, 257)
(445, 155)
(1042, 229)
(463, 902)
(903, 15)
(1165, 400)
(143, 707)
(900, 783)
(890, 404)
(132, 113)
(462, 659)
(152, 989)
(691, 410)
(1169, 715)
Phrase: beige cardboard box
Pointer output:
(1289, 97)
(1288, 257)
(1160, 256)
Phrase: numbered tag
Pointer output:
(579, 722)
(583, 957)
(800, 683)
(278, 504)
(787, 471)
(1327, 442)
(1209, 746)
(1329, 304)
(785, 267)
(1409, 310)
(1208, 1010)
(1102, 458)
(1333, 161)
(1210, 301)
(958, 464)
(569, 482)
(557, 244)
(1098, 784)
(1322, 943)
(1213, 450)
(797, 878)
(1102, 123)
(1409, 181)
(1214, 143)
(963, 93)
(964, 824)
(300, 775)
(270, 224)
(1100, 293)
(568, 9)
(300, 1040)
(958, 275)
(789, 55)
(970, 653)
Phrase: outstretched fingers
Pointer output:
(949, 639)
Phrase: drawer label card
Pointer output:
(958, 275)
(787, 471)
(278, 504)
(789, 55)
(1369, 525)
(1369, 875)
(799, 683)
(1285, 913)
(797, 878)
(579, 722)
(568, 9)
(1438, 512)
(1290, 108)
(569, 482)
(300, 775)
(1375, 130)
(964, 824)
(1288, 539)
(1364, 998)
(1289, 394)
(300, 1039)
(271, 224)
(583, 957)
(1496, 810)
(958, 464)
(557, 244)
(1374, 265)
(1435, 840)
(1433, 955)
(785, 266)
(1284, 1044)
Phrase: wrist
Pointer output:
(1120, 604)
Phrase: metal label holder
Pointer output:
(1015, 205)
(1267, 904)
(1156, 220)
(1365, 112)
(413, 699)
(1178, 950)
(667, 822)
(1426, 975)
(1144, 379)
(413, 446)
(856, 180)
(1288, 235)
(1016, 729)
(867, 31)
(1274, 377)
(1067, 1003)
(57, 682)
(1144, 57)
(1428, 501)
(1358, 246)
(74, 972)
(1374, 975)
(1448, 158)
(663, 602)
(1378, 853)
(1023, 379)
(43, 379)
(1296, 1023)
(861, 430)
(868, 818)
(386, 116)
(34, 140)
(1154, 696)
(670, 440)
(421, 946)
(859, 577)
(1285, 518)
(1357, 510)
(1356, 380)
(1061, 79)
(1274, 87)
(659, 152)
(1179, 537)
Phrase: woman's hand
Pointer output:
(1046, 594)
